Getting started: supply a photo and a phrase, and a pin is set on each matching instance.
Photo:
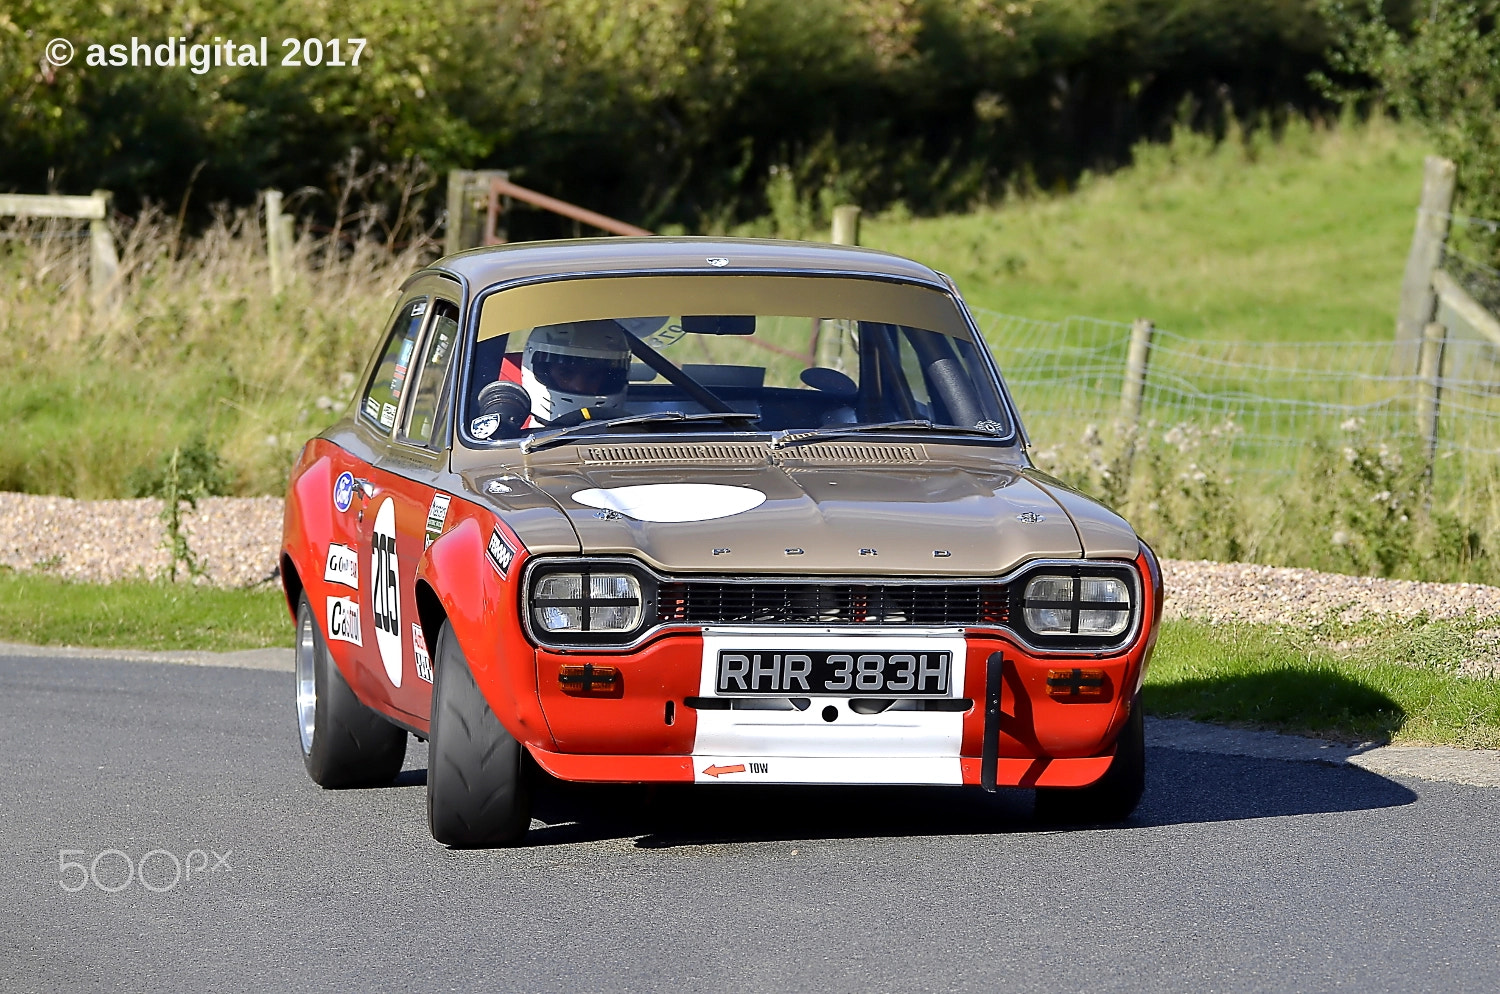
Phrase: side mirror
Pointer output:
(509, 402)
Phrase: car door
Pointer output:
(380, 653)
(411, 511)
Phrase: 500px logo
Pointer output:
(199, 58)
(158, 870)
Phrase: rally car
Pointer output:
(704, 511)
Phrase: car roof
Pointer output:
(492, 264)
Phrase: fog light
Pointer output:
(1076, 683)
(588, 677)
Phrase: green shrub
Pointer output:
(1350, 505)
(1435, 63)
(194, 468)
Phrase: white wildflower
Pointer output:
(1353, 424)
(324, 403)
(1091, 435)
(1340, 538)
(1228, 429)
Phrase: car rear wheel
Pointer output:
(344, 743)
(1113, 796)
(479, 779)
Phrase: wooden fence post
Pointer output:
(1430, 386)
(468, 207)
(1418, 302)
(277, 243)
(104, 265)
(1136, 362)
(287, 235)
(830, 339)
(846, 224)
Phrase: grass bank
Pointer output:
(140, 614)
(1376, 681)
(1299, 239)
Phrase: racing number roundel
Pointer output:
(385, 591)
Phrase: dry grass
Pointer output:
(197, 349)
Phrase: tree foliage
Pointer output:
(1439, 65)
(663, 111)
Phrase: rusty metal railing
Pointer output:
(505, 188)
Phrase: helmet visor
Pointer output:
(593, 375)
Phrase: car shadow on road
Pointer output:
(1284, 697)
(1182, 787)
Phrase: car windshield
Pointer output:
(778, 353)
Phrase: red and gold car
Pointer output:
(703, 510)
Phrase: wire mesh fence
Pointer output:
(1275, 397)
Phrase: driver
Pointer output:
(569, 367)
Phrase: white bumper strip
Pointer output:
(828, 769)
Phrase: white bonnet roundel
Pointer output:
(668, 502)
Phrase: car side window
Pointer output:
(427, 410)
(382, 398)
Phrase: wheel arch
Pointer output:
(430, 612)
(291, 583)
(456, 583)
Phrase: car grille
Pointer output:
(709, 603)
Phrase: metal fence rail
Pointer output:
(1279, 396)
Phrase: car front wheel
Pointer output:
(1113, 796)
(478, 776)
(344, 743)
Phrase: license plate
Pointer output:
(825, 673)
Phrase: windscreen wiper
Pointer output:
(792, 439)
(584, 429)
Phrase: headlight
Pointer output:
(587, 602)
(1090, 606)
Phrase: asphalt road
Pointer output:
(1235, 874)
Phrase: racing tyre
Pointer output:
(1114, 796)
(344, 743)
(479, 780)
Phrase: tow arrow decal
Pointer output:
(714, 771)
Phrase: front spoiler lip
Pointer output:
(1023, 772)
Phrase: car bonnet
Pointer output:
(826, 509)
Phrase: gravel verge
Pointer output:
(236, 540)
(1223, 592)
(100, 541)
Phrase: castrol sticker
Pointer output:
(343, 620)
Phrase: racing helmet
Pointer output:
(567, 367)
